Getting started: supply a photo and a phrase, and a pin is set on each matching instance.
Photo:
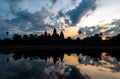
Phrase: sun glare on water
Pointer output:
(104, 54)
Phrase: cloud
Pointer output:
(109, 28)
(26, 22)
(14, 2)
(89, 31)
(38, 69)
(53, 1)
(114, 27)
(35, 16)
(6, 26)
(5, 12)
(40, 15)
(83, 7)
(116, 22)
(13, 5)
(108, 62)
(31, 21)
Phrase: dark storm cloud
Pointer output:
(83, 7)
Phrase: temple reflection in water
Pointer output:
(39, 65)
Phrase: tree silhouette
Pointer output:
(69, 38)
(25, 37)
(55, 39)
(17, 37)
(7, 33)
(32, 37)
(78, 39)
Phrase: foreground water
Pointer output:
(71, 66)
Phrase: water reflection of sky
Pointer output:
(72, 67)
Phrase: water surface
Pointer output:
(27, 65)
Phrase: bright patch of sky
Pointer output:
(106, 11)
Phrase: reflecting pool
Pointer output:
(58, 66)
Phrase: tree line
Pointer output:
(57, 39)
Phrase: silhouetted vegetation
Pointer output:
(57, 54)
(26, 45)
(58, 39)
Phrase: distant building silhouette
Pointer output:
(45, 33)
(55, 35)
(55, 39)
(61, 35)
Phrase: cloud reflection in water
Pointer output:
(72, 67)
(37, 69)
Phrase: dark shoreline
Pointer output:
(58, 47)
(58, 51)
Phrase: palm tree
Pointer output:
(7, 33)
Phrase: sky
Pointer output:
(70, 16)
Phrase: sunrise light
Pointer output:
(104, 54)
(105, 38)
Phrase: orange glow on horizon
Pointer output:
(105, 38)
(104, 54)
(68, 32)
(71, 31)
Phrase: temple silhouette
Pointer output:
(55, 45)
(58, 39)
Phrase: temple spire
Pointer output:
(62, 35)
